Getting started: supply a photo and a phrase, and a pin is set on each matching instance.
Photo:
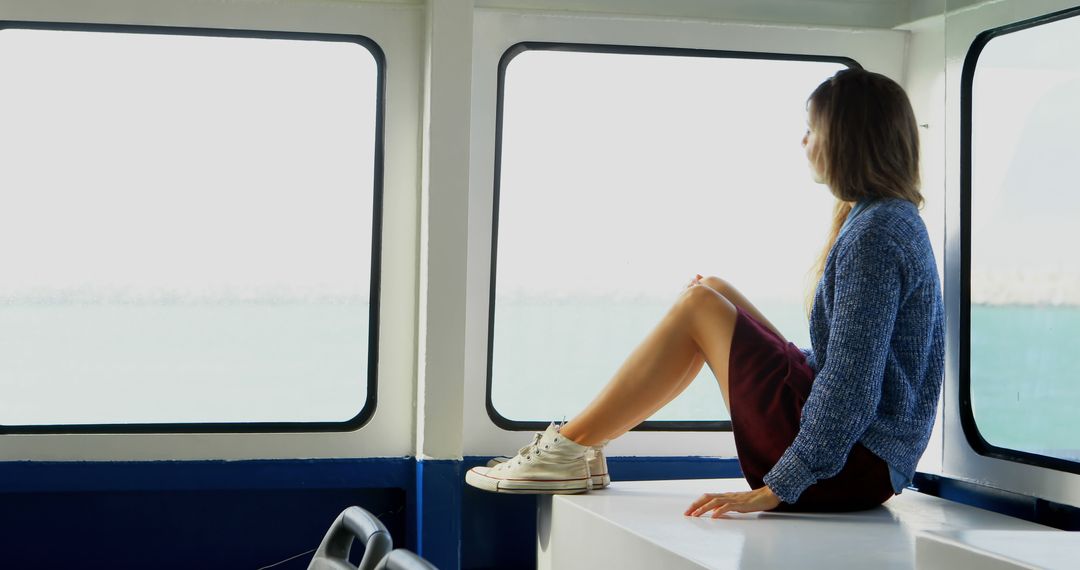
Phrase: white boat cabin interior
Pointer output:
(265, 260)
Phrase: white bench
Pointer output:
(997, 550)
(639, 524)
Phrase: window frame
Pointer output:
(504, 61)
(365, 414)
(967, 417)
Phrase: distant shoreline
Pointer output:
(1027, 305)
(1053, 288)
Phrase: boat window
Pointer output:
(1022, 275)
(189, 233)
(622, 173)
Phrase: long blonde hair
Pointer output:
(869, 147)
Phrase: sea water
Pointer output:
(79, 363)
(551, 356)
(182, 362)
(1025, 377)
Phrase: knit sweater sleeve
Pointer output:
(844, 397)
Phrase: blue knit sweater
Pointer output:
(877, 331)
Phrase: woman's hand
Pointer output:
(761, 499)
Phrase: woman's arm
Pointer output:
(845, 394)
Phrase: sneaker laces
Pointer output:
(528, 448)
(528, 451)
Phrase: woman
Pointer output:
(836, 428)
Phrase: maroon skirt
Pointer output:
(769, 381)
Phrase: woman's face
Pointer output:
(813, 155)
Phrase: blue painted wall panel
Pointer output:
(189, 514)
(179, 530)
(248, 514)
(438, 512)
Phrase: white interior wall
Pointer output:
(925, 84)
(443, 222)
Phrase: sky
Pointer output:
(1025, 196)
(239, 168)
(148, 166)
(625, 175)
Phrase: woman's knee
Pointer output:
(717, 284)
(703, 300)
(709, 318)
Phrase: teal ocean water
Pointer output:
(124, 363)
(571, 347)
(182, 362)
(1025, 377)
(552, 356)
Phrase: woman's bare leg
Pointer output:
(725, 290)
(692, 372)
(699, 326)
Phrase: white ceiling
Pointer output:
(844, 13)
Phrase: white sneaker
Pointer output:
(598, 470)
(551, 464)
